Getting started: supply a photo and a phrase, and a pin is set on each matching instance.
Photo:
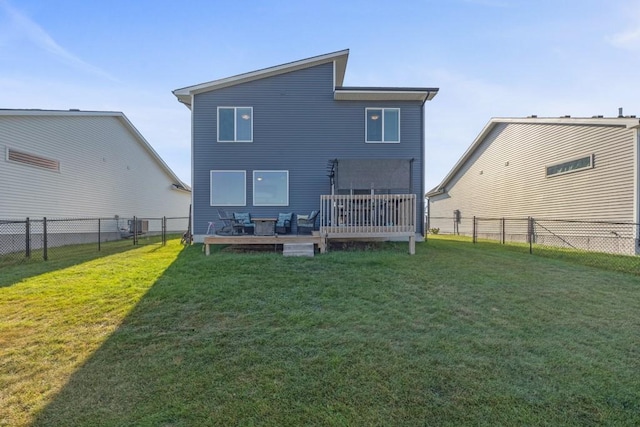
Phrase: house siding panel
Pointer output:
(488, 187)
(299, 127)
(104, 170)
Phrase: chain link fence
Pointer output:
(48, 238)
(621, 238)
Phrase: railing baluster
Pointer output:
(369, 213)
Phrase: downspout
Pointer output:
(192, 206)
(423, 168)
(428, 224)
(636, 186)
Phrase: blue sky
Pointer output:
(490, 58)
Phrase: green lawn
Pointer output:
(458, 334)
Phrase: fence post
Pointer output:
(135, 230)
(530, 234)
(45, 255)
(99, 234)
(474, 231)
(27, 242)
(426, 223)
(164, 231)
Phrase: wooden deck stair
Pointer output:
(314, 240)
(298, 249)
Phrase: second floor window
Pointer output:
(383, 125)
(235, 124)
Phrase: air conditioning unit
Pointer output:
(141, 226)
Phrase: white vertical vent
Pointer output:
(33, 160)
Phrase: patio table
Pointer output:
(265, 226)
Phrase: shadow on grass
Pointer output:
(15, 270)
(196, 349)
(260, 339)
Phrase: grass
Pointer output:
(612, 262)
(458, 334)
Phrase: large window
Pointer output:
(228, 188)
(383, 125)
(570, 166)
(271, 188)
(235, 124)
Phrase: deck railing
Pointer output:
(379, 214)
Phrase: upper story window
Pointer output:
(383, 125)
(570, 166)
(235, 124)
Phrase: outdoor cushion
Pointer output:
(307, 225)
(283, 218)
(243, 217)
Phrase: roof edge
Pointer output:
(339, 57)
(626, 122)
(385, 94)
(154, 154)
(118, 115)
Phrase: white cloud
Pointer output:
(627, 39)
(24, 27)
(628, 24)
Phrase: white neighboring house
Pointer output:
(554, 168)
(87, 164)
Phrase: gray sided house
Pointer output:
(275, 140)
(554, 168)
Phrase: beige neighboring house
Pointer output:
(554, 168)
(83, 164)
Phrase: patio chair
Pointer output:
(242, 223)
(307, 223)
(227, 223)
(283, 225)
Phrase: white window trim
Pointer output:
(235, 128)
(591, 166)
(254, 188)
(366, 125)
(244, 173)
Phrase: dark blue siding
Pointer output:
(297, 126)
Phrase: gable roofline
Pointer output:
(177, 183)
(339, 58)
(626, 122)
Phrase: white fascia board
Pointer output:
(339, 58)
(636, 184)
(441, 188)
(59, 113)
(152, 152)
(627, 122)
(383, 95)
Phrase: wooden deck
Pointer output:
(368, 235)
(281, 239)
(319, 240)
(346, 217)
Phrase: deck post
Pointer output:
(412, 245)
